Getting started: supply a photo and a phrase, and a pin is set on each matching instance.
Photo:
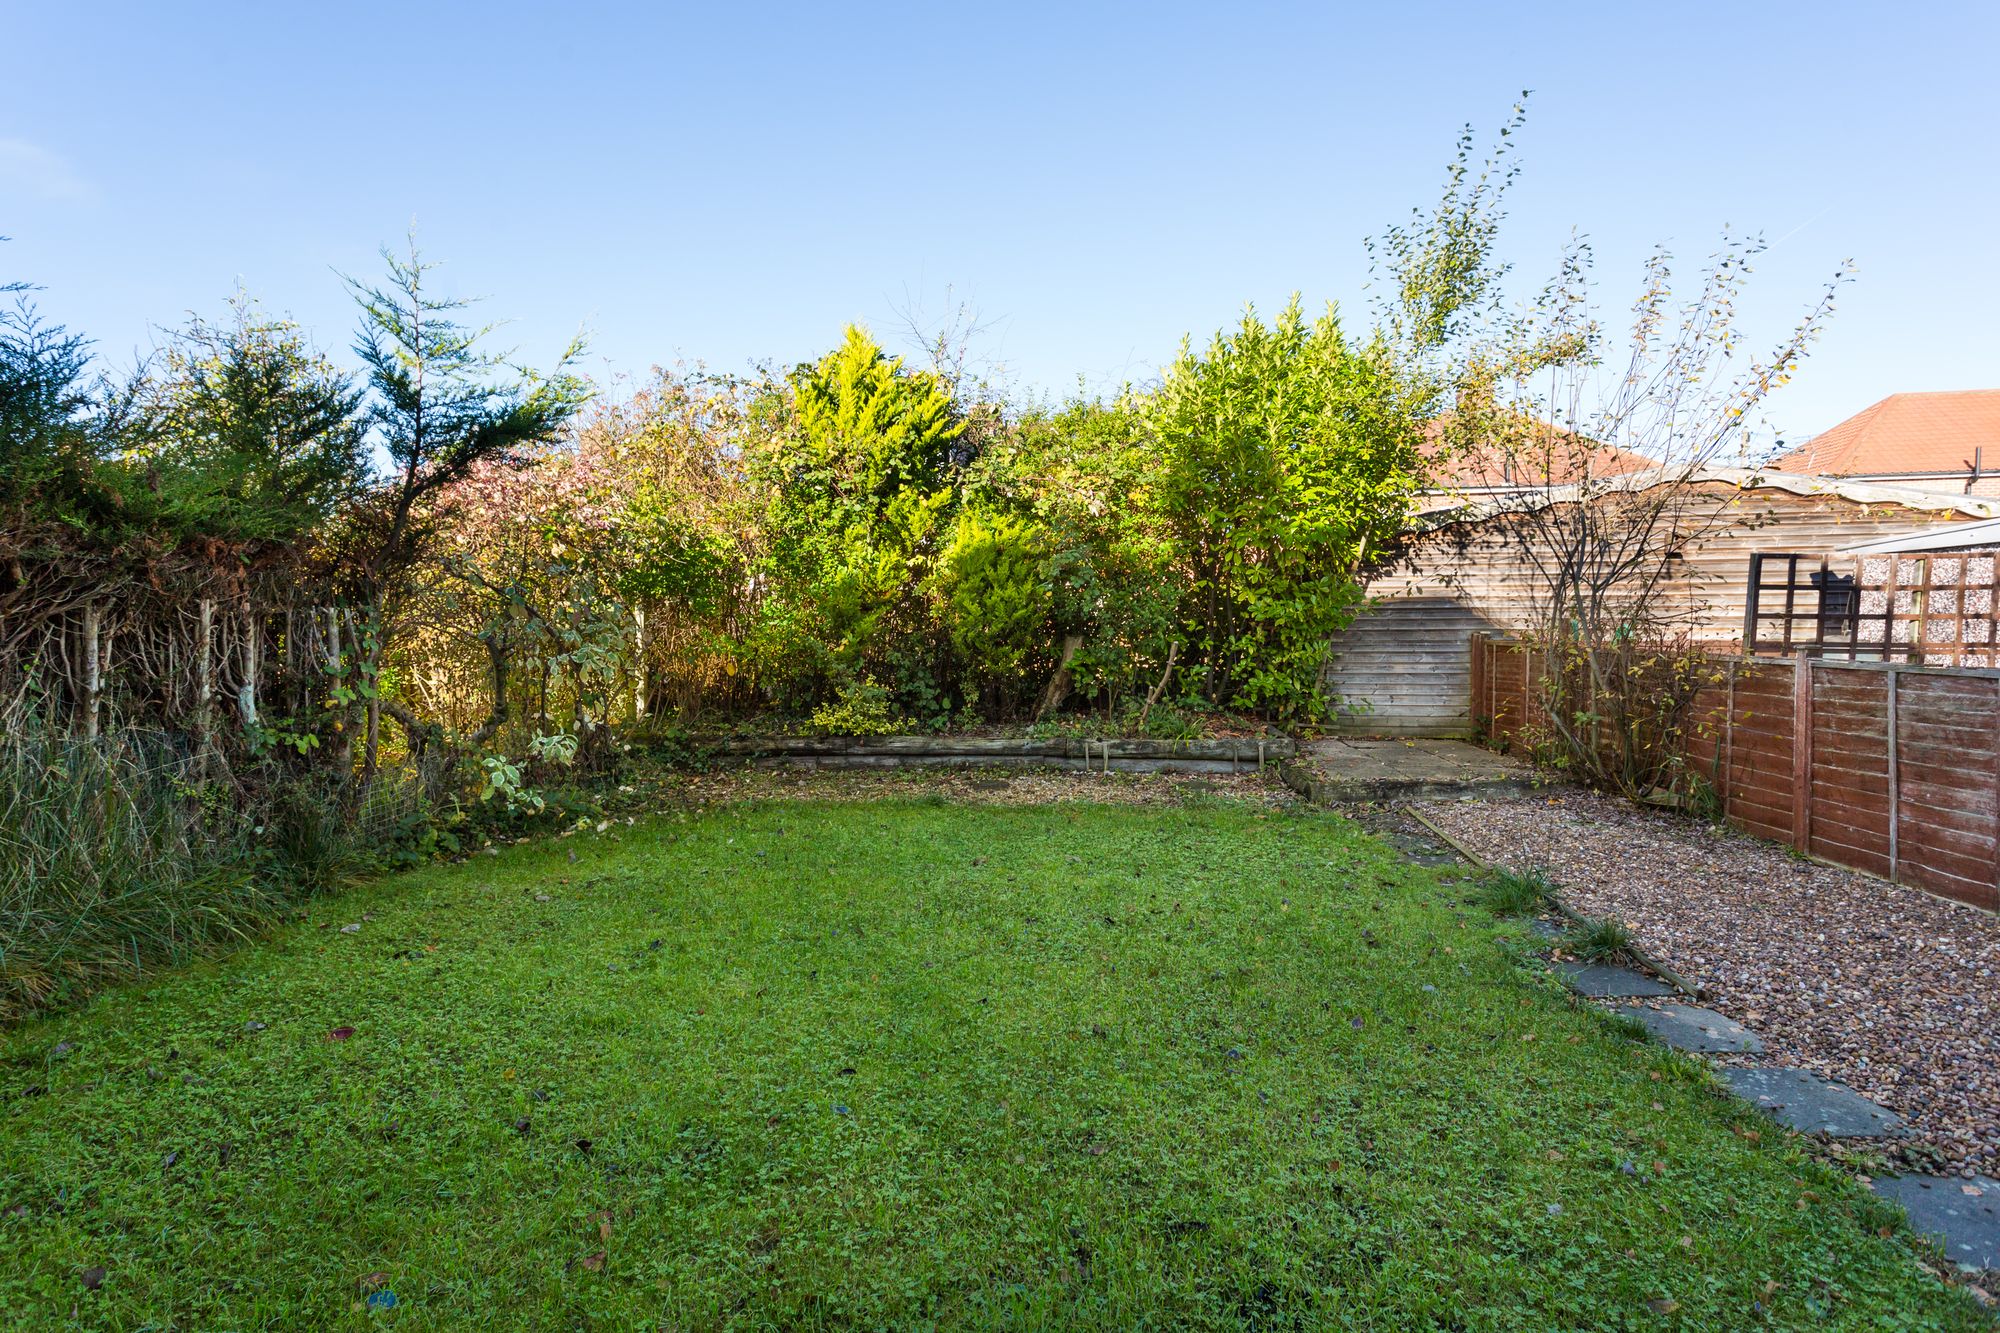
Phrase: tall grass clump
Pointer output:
(113, 861)
(1599, 940)
(1515, 893)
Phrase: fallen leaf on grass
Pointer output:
(339, 1033)
(593, 1262)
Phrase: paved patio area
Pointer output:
(1350, 769)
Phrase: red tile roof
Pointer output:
(1555, 460)
(1906, 433)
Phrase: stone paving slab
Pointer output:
(1968, 1224)
(1423, 851)
(1688, 1027)
(1362, 769)
(1810, 1104)
(1601, 981)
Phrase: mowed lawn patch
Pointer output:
(898, 1064)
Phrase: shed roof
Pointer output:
(1983, 535)
(1745, 479)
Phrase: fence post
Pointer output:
(1729, 740)
(1802, 701)
(1895, 793)
(204, 686)
(253, 651)
(93, 672)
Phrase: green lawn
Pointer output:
(902, 1065)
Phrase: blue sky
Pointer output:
(728, 182)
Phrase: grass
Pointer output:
(1512, 893)
(906, 1065)
(1598, 939)
(105, 867)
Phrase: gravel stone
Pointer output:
(1884, 988)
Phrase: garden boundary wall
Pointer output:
(1885, 767)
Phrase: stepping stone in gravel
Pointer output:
(1423, 851)
(1968, 1224)
(1810, 1104)
(1601, 981)
(1689, 1028)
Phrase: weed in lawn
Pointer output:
(1599, 939)
(1513, 893)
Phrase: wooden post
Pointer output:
(253, 648)
(1752, 604)
(1478, 707)
(1791, 594)
(1890, 591)
(639, 667)
(1729, 741)
(1802, 701)
(1895, 793)
(93, 670)
(204, 690)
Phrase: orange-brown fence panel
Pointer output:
(1887, 767)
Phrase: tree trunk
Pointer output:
(1057, 689)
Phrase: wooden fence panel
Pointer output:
(1888, 768)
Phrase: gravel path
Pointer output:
(1893, 992)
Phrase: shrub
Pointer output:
(994, 580)
(863, 709)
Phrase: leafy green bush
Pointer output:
(863, 709)
(1287, 455)
(994, 581)
(860, 486)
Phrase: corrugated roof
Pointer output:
(1744, 479)
(1983, 535)
(1906, 433)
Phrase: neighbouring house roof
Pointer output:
(1488, 467)
(1983, 535)
(1906, 434)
